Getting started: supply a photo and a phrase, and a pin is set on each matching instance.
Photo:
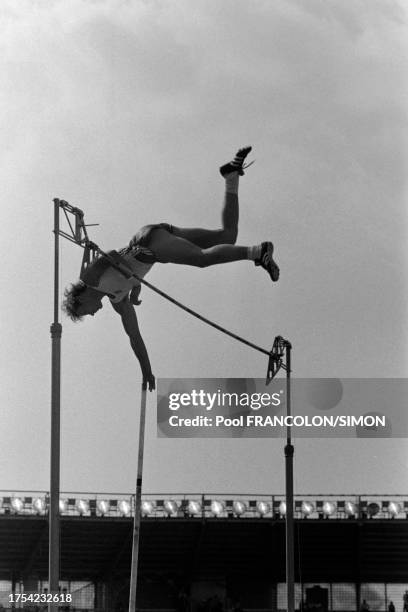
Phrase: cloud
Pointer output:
(83, 65)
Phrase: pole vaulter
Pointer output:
(119, 275)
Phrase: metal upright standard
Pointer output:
(56, 331)
(281, 349)
(289, 452)
(79, 236)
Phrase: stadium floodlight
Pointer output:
(394, 508)
(263, 508)
(329, 508)
(239, 508)
(307, 508)
(217, 507)
(82, 506)
(170, 507)
(39, 505)
(148, 507)
(350, 508)
(194, 507)
(282, 508)
(124, 507)
(373, 509)
(63, 506)
(17, 504)
(103, 506)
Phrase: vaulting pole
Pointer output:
(53, 510)
(138, 504)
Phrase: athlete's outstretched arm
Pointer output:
(129, 321)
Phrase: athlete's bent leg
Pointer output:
(228, 233)
(169, 248)
(202, 248)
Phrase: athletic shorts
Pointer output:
(139, 244)
(142, 237)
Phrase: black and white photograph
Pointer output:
(204, 315)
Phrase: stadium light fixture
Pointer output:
(194, 508)
(217, 507)
(170, 507)
(263, 508)
(307, 508)
(373, 509)
(148, 507)
(82, 506)
(394, 508)
(350, 509)
(103, 506)
(39, 505)
(239, 508)
(17, 504)
(329, 508)
(124, 507)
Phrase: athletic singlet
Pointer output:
(116, 285)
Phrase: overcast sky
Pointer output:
(126, 109)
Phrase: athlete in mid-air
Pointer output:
(164, 243)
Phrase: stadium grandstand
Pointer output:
(209, 553)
